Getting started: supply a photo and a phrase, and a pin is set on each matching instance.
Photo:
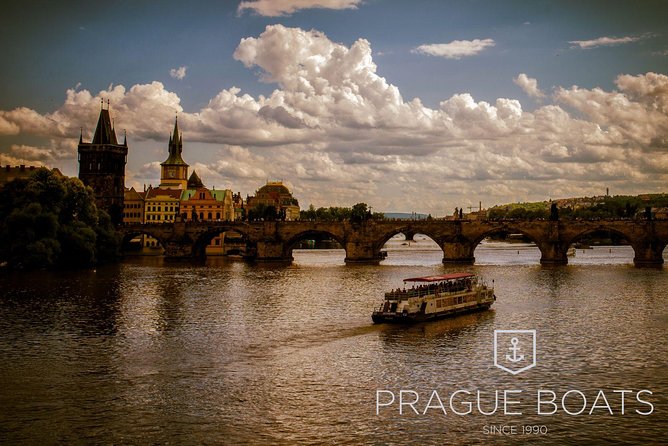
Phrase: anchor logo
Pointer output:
(514, 349)
(522, 347)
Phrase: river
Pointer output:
(224, 352)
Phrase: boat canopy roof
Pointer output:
(440, 278)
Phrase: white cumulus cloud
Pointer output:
(529, 85)
(455, 49)
(178, 73)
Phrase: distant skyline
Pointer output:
(417, 106)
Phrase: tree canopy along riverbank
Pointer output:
(51, 221)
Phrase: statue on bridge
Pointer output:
(554, 212)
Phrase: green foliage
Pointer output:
(520, 211)
(264, 212)
(360, 213)
(339, 213)
(52, 221)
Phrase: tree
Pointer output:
(263, 212)
(49, 220)
(309, 215)
(359, 213)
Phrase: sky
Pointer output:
(408, 106)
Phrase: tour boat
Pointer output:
(434, 297)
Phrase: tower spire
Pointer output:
(176, 129)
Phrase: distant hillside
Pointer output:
(602, 206)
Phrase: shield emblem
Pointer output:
(514, 350)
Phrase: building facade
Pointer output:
(198, 203)
(133, 206)
(162, 205)
(275, 194)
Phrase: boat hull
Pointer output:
(379, 317)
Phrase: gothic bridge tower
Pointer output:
(102, 166)
(174, 171)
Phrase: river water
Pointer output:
(148, 352)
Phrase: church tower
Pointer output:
(102, 166)
(174, 171)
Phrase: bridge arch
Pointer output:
(646, 249)
(310, 234)
(409, 231)
(204, 239)
(128, 235)
(598, 229)
(546, 250)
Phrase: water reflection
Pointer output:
(231, 353)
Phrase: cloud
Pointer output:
(455, 49)
(341, 133)
(52, 153)
(529, 85)
(275, 8)
(603, 41)
(178, 73)
(636, 115)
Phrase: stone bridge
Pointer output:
(274, 241)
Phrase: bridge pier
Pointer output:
(362, 253)
(460, 252)
(553, 254)
(649, 254)
(178, 249)
(270, 251)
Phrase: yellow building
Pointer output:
(162, 205)
(133, 206)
